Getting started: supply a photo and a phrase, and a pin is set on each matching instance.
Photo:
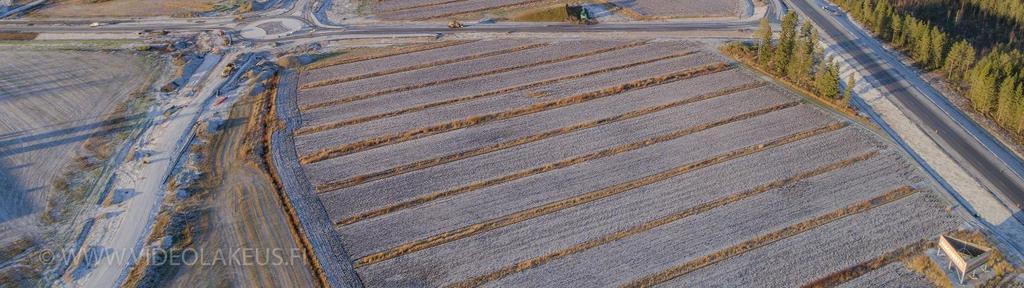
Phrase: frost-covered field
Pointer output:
(680, 170)
(434, 9)
(50, 103)
(684, 8)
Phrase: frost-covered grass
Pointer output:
(536, 155)
(536, 177)
(492, 85)
(406, 60)
(310, 143)
(685, 8)
(518, 128)
(382, 233)
(430, 76)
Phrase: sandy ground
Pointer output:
(51, 103)
(123, 8)
(121, 229)
(245, 213)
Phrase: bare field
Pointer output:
(683, 8)
(124, 8)
(441, 9)
(51, 103)
(62, 115)
(656, 164)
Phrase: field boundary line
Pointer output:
(423, 164)
(417, 108)
(367, 144)
(420, 6)
(588, 197)
(329, 82)
(647, 226)
(772, 237)
(364, 96)
(567, 162)
(855, 271)
(314, 66)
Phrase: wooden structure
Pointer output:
(966, 257)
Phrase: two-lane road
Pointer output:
(988, 161)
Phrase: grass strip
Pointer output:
(464, 77)
(364, 119)
(552, 166)
(420, 6)
(523, 3)
(335, 62)
(487, 118)
(421, 66)
(852, 272)
(419, 165)
(772, 237)
(588, 197)
(621, 234)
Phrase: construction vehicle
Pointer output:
(579, 14)
(455, 25)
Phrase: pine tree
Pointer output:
(983, 91)
(800, 66)
(784, 51)
(923, 47)
(898, 28)
(764, 45)
(881, 16)
(848, 93)
(938, 43)
(826, 80)
(959, 60)
(1006, 98)
(1019, 112)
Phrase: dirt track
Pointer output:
(244, 213)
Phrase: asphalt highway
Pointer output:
(988, 161)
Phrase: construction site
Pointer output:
(486, 143)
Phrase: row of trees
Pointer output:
(796, 57)
(994, 83)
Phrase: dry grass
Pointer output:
(476, 120)
(18, 36)
(418, 108)
(554, 13)
(14, 248)
(359, 179)
(421, 66)
(769, 238)
(923, 265)
(478, 75)
(585, 198)
(269, 122)
(554, 166)
(742, 53)
(125, 8)
(534, 262)
(363, 54)
(903, 254)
